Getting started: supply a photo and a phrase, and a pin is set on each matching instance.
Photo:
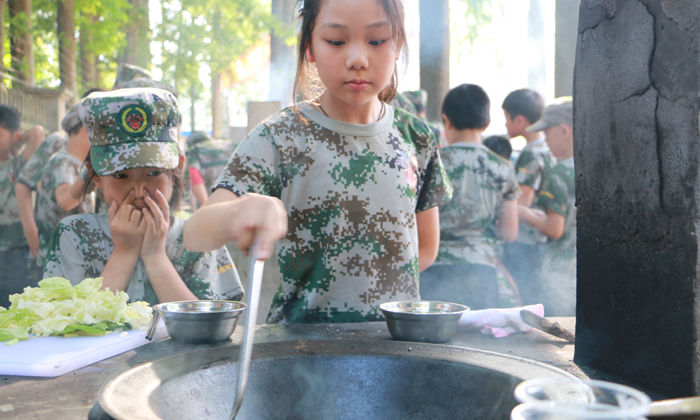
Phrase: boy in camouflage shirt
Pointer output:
(206, 158)
(13, 244)
(137, 246)
(29, 180)
(61, 192)
(482, 211)
(521, 258)
(558, 221)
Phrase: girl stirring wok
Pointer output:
(354, 182)
(137, 246)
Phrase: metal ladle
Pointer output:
(680, 408)
(255, 272)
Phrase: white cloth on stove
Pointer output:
(499, 322)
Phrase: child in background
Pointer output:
(61, 186)
(558, 222)
(360, 180)
(522, 258)
(13, 244)
(29, 180)
(483, 207)
(206, 158)
(500, 146)
(137, 246)
(419, 98)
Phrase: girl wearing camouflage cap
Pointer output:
(137, 246)
(357, 181)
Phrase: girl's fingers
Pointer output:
(130, 198)
(150, 224)
(158, 216)
(273, 227)
(163, 204)
(113, 209)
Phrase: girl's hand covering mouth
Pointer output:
(157, 221)
(126, 225)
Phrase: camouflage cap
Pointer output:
(131, 128)
(127, 72)
(141, 82)
(198, 137)
(559, 112)
(72, 118)
(419, 97)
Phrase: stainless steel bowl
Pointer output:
(199, 321)
(423, 320)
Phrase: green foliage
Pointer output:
(474, 14)
(211, 33)
(45, 43)
(106, 28)
(104, 20)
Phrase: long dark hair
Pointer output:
(175, 175)
(307, 84)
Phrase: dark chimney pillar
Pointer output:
(637, 153)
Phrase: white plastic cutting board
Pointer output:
(54, 356)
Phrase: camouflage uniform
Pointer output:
(11, 232)
(63, 168)
(140, 82)
(351, 193)
(13, 244)
(210, 157)
(127, 72)
(402, 102)
(131, 128)
(558, 268)
(468, 238)
(522, 257)
(134, 128)
(34, 169)
(82, 244)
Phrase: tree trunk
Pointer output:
(22, 43)
(435, 53)
(282, 57)
(2, 40)
(537, 69)
(138, 49)
(87, 56)
(65, 18)
(216, 127)
(193, 98)
(216, 120)
(98, 72)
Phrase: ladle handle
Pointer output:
(255, 272)
(153, 326)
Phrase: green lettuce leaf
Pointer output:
(58, 308)
(17, 333)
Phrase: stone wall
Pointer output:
(637, 150)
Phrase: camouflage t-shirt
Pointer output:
(210, 158)
(558, 264)
(34, 169)
(529, 169)
(82, 244)
(402, 102)
(482, 180)
(11, 232)
(351, 193)
(63, 168)
(558, 193)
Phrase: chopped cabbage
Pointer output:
(57, 308)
